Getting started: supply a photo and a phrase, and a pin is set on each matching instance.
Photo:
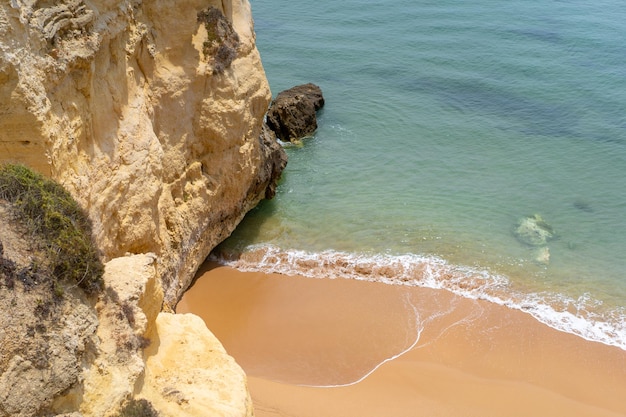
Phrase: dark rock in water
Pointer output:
(534, 231)
(276, 161)
(292, 113)
(583, 206)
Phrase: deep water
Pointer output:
(445, 123)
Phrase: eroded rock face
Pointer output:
(172, 361)
(47, 333)
(57, 19)
(149, 113)
(44, 347)
(292, 114)
(127, 311)
(188, 372)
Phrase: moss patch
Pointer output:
(222, 40)
(57, 223)
(138, 408)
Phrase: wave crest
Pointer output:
(580, 316)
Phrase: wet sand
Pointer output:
(335, 347)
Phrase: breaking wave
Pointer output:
(582, 316)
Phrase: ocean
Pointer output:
(446, 124)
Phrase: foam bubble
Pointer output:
(580, 316)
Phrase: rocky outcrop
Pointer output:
(188, 372)
(44, 346)
(292, 114)
(47, 328)
(127, 312)
(63, 355)
(149, 113)
(172, 361)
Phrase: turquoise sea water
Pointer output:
(445, 123)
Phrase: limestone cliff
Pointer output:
(171, 360)
(151, 114)
(97, 350)
(148, 112)
(188, 372)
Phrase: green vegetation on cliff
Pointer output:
(222, 40)
(138, 408)
(57, 223)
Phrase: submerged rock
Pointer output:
(583, 206)
(542, 256)
(533, 231)
(292, 114)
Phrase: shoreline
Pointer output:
(379, 348)
(582, 316)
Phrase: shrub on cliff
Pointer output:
(138, 408)
(56, 222)
(222, 40)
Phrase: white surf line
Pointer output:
(563, 321)
(394, 357)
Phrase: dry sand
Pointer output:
(334, 347)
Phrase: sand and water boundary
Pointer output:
(329, 347)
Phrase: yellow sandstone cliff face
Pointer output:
(149, 113)
(171, 360)
(188, 372)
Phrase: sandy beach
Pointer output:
(336, 347)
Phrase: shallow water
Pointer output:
(445, 123)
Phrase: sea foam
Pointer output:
(581, 316)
